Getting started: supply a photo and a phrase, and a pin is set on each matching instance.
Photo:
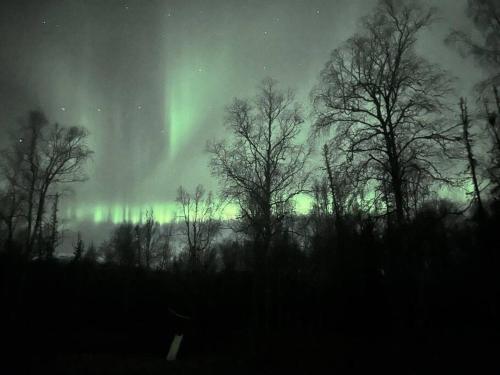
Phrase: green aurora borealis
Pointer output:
(150, 80)
(164, 212)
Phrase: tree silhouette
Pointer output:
(78, 248)
(12, 198)
(471, 160)
(199, 212)
(52, 236)
(493, 119)
(164, 249)
(39, 159)
(262, 167)
(90, 255)
(383, 101)
(485, 15)
(149, 230)
(121, 249)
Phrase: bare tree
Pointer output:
(43, 157)
(486, 17)
(62, 159)
(199, 213)
(471, 160)
(343, 182)
(321, 208)
(147, 238)
(53, 235)
(493, 123)
(28, 151)
(418, 189)
(383, 100)
(163, 250)
(334, 193)
(12, 198)
(485, 50)
(262, 167)
(150, 230)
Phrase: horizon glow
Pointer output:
(163, 212)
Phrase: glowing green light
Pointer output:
(180, 122)
(230, 212)
(459, 195)
(163, 212)
(168, 212)
(303, 204)
(99, 214)
(79, 213)
(116, 214)
(181, 105)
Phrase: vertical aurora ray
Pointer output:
(198, 72)
(181, 93)
(163, 212)
(187, 87)
(180, 113)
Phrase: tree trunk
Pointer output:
(37, 231)
(470, 156)
(398, 196)
(335, 203)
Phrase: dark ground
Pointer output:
(434, 309)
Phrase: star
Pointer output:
(265, 32)
(126, 7)
(317, 11)
(63, 109)
(44, 22)
(21, 140)
(139, 107)
(98, 109)
(200, 70)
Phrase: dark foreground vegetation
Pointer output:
(424, 300)
(382, 275)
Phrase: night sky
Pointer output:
(150, 79)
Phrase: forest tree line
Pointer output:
(387, 134)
